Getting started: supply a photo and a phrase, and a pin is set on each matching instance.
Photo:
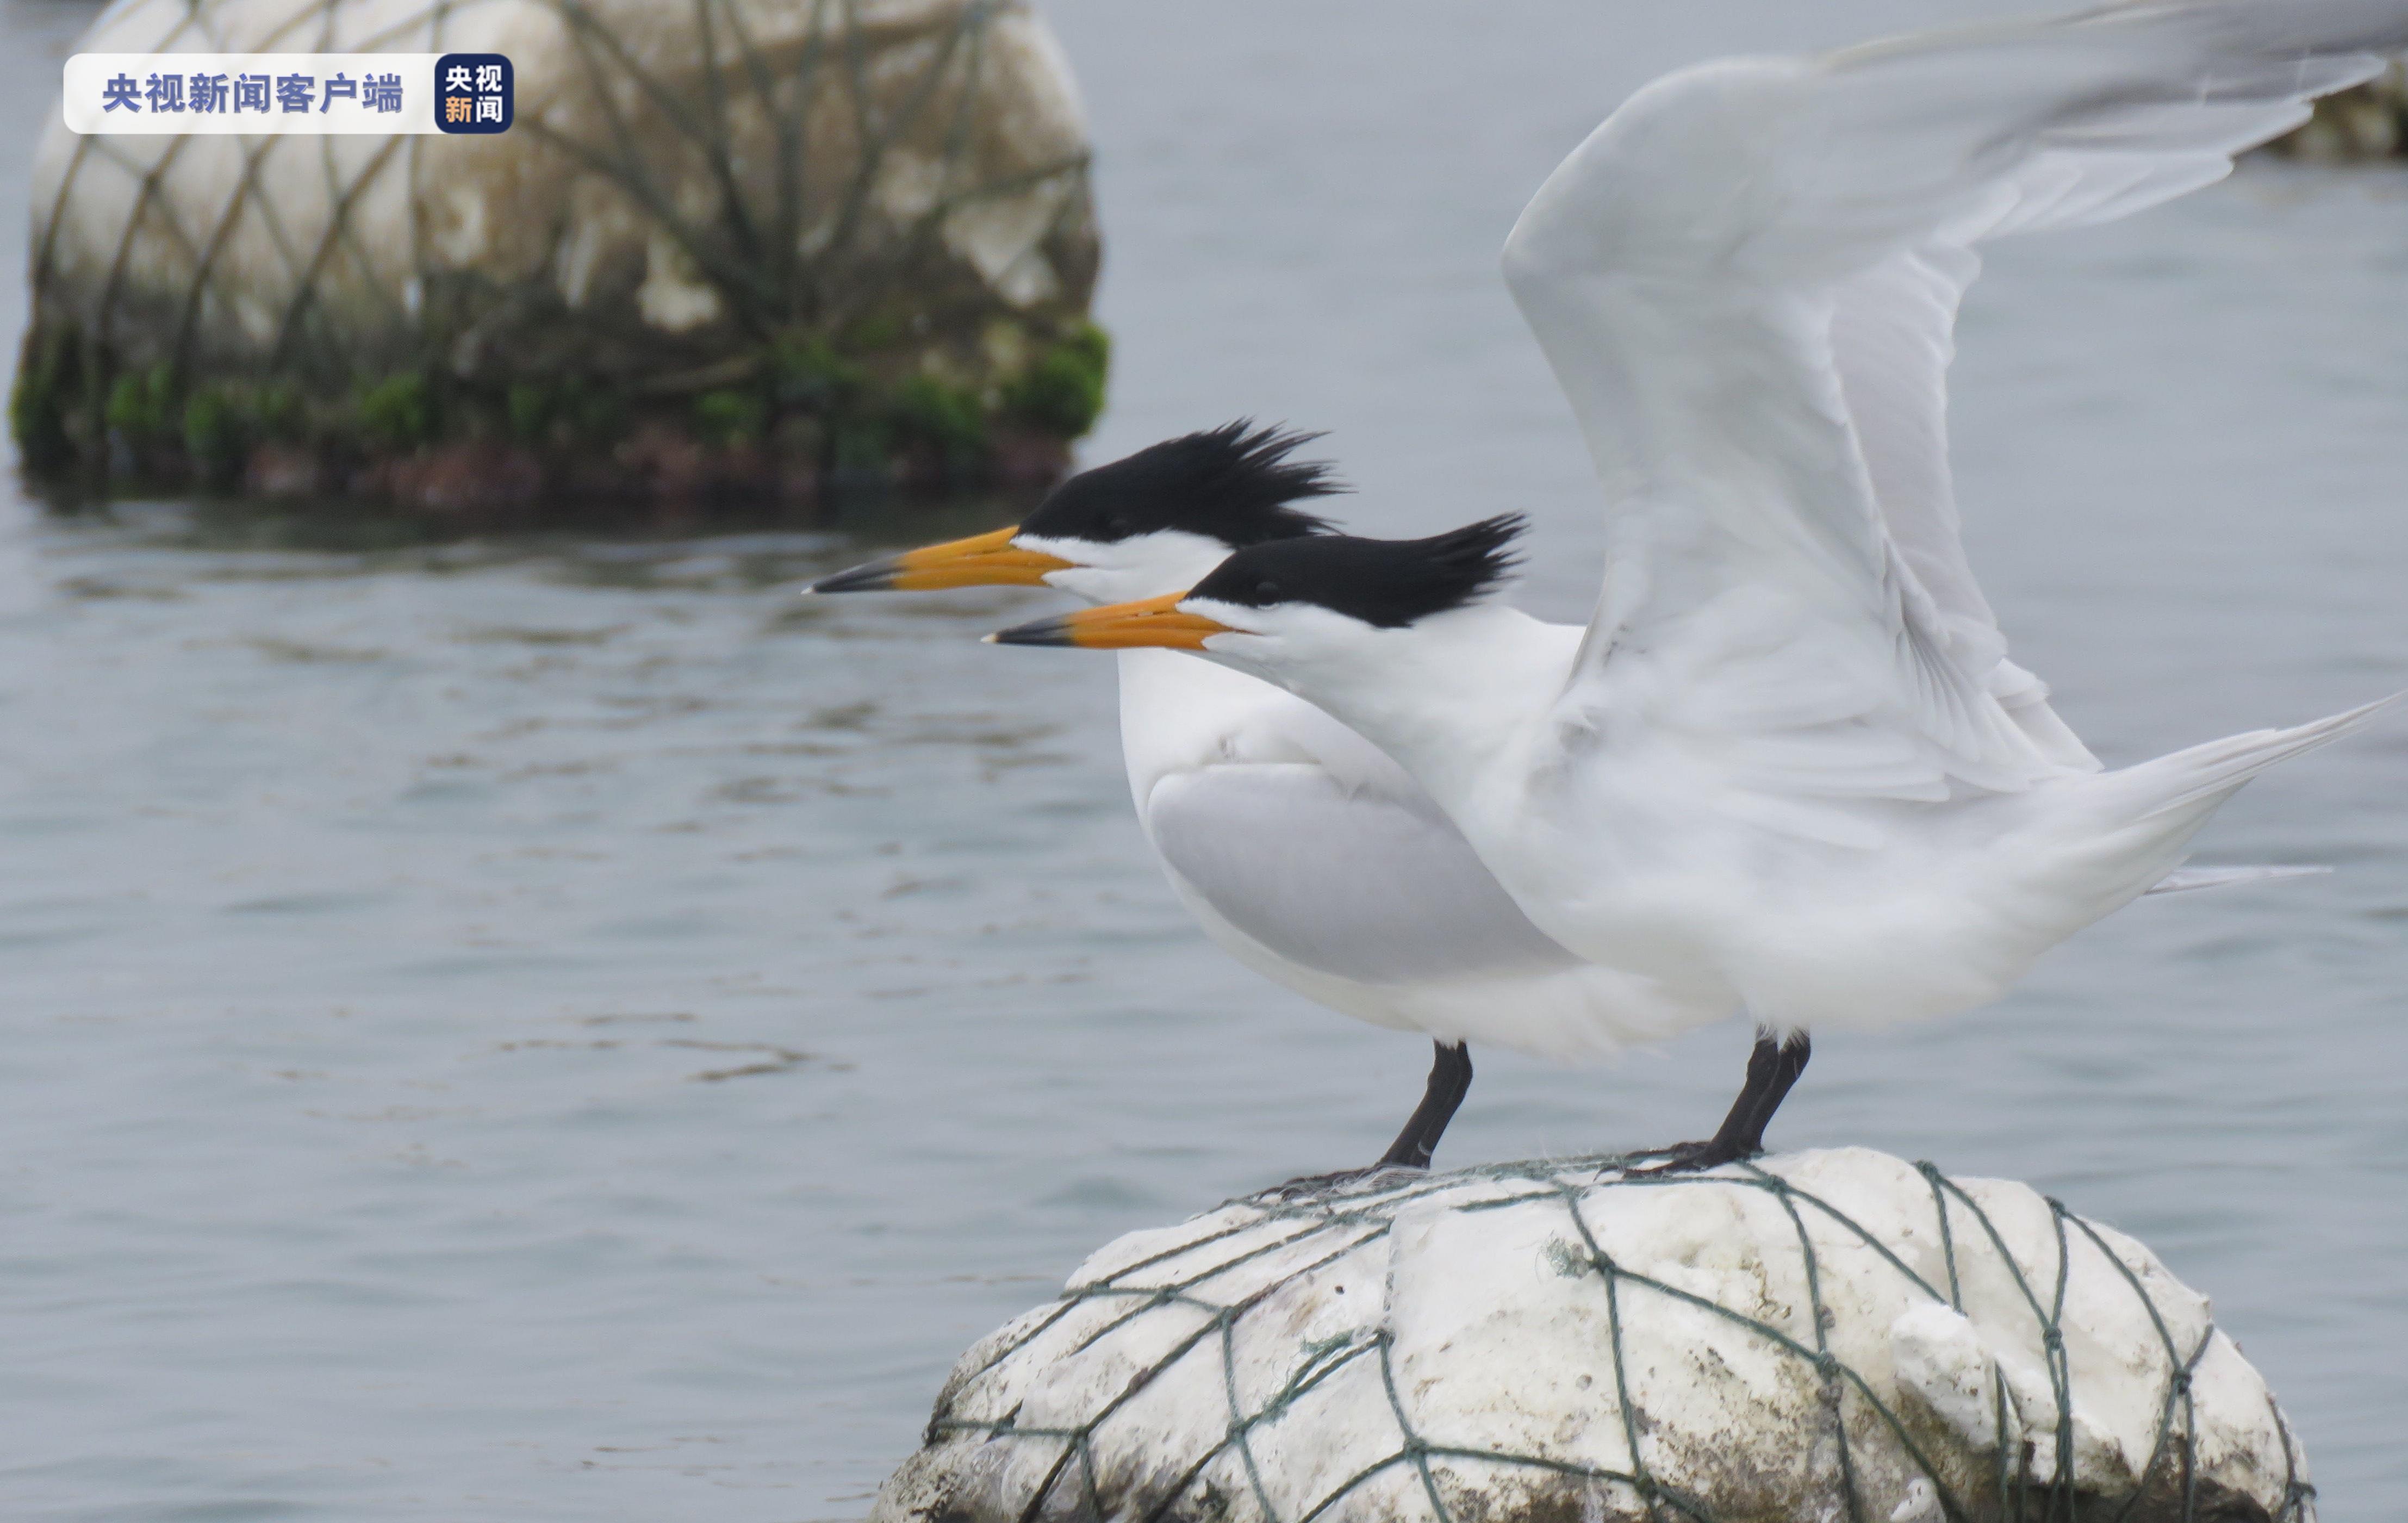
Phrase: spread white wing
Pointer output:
(1746, 280)
(1344, 882)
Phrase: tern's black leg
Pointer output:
(1773, 1067)
(1450, 1079)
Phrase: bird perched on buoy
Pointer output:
(1788, 767)
(1299, 846)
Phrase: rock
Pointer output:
(806, 240)
(1834, 1335)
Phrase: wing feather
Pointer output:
(1747, 281)
(1346, 883)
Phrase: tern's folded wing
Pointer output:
(1350, 884)
(1746, 279)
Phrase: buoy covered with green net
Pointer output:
(1835, 1335)
(737, 247)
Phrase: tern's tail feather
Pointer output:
(2183, 880)
(2206, 773)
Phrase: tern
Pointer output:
(1301, 849)
(1787, 769)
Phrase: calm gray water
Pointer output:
(545, 1030)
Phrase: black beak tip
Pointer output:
(1035, 632)
(877, 575)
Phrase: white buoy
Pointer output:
(1835, 1335)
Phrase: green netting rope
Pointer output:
(1348, 1222)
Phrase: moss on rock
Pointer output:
(1063, 392)
(49, 380)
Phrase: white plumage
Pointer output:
(1746, 282)
(1308, 855)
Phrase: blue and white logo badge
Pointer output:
(473, 93)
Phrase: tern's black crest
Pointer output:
(1234, 483)
(1387, 584)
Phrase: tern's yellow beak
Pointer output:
(1119, 626)
(983, 560)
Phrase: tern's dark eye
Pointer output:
(1267, 592)
(1117, 527)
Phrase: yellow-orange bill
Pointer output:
(983, 560)
(1119, 626)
